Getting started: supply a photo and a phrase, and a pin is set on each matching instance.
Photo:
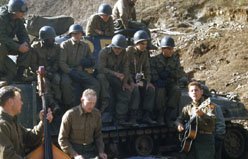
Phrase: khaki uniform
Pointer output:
(96, 22)
(203, 145)
(49, 58)
(80, 129)
(8, 30)
(70, 59)
(167, 90)
(15, 138)
(139, 63)
(108, 64)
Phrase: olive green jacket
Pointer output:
(45, 56)
(10, 28)
(14, 138)
(95, 22)
(71, 55)
(124, 12)
(80, 127)
(109, 63)
(138, 62)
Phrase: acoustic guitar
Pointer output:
(190, 129)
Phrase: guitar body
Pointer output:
(188, 136)
(38, 153)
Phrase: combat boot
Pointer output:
(147, 119)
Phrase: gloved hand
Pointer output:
(164, 74)
(87, 62)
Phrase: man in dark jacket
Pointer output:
(11, 25)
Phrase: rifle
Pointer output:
(47, 150)
(191, 128)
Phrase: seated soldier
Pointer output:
(125, 22)
(101, 24)
(11, 26)
(75, 61)
(113, 71)
(143, 91)
(166, 71)
(46, 53)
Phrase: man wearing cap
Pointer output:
(166, 71)
(101, 24)
(144, 92)
(45, 52)
(75, 59)
(114, 72)
(12, 25)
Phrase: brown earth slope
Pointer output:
(211, 35)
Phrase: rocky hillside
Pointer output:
(211, 35)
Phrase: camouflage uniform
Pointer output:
(74, 74)
(80, 132)
(15, 138)
(165, 75)
(96, 22)
(203, 146)
(49, 58)
(139, 63)
(124, 17)
(108, 64)
(8, 30)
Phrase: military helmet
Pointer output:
(75, 28)
(139, 36)
(105, 9)
(17, 6)
(167, 41)
(119, 41)
(47, 32)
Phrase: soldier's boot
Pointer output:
(147, 119)
(169, 117)
(133, 119)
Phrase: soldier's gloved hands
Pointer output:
(88, 62)
(164, 74)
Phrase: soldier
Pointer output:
(75, 59)
(14, 137)
(203, 145)
(46, 53)
(101, 24)
(139, 67)
(11, 25)
(114, 72)
(124, 16)
(166, 71)
(80, 130)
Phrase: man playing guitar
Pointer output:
(199, 116)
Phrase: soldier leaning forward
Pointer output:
(203, 111)
(46, 53)
(12, 25)
(114, 72)
(143, 91)
(101, 24)
(75, 59)
(166, 71)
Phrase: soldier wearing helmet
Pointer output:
(46, 53)
(143, 91)
(12, 25)
(101, 24)
(166, 71)
(75, 59)
(114, 72)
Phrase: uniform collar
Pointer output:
(75, 43)
(6, 116)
